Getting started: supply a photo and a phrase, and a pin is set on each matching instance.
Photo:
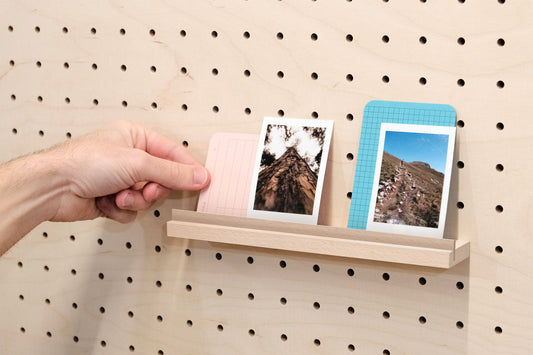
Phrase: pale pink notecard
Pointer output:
(230, 160)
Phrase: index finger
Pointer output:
(162, 147)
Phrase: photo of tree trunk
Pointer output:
(289, 169)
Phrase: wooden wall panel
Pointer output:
(129, 289)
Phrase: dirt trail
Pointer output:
(409, 193)
(398, 194)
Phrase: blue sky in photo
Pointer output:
(426, 147)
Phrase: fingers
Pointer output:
(133, 200)
(154, 191)
(165, 148)
(107, 206)
(160, 146)
(139, 185)
(165, 162)
(172, 175)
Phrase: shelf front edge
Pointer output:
(376, 251)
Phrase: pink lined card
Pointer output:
(230, 160)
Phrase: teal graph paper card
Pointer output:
(376, 113)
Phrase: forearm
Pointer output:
(30, 190)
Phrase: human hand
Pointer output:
(113, 172)
(119, 170)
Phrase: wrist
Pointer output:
(31, 189)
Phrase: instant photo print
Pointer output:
(411, 179)
(289, 170)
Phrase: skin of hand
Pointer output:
(113, 172)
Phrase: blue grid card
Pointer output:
(376, 113)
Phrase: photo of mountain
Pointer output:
(408, 193)
(411, 179)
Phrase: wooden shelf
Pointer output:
(325, 240)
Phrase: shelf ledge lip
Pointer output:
(324, 240)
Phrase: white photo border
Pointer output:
(407, 229)
(285, 216)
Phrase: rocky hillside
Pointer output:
(287, 185)
(409, 193)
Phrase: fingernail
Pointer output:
(128, 200)
(200, 176)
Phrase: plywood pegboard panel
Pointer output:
(190, 69)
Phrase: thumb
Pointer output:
(176, 176)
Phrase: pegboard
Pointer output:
(193, 68)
